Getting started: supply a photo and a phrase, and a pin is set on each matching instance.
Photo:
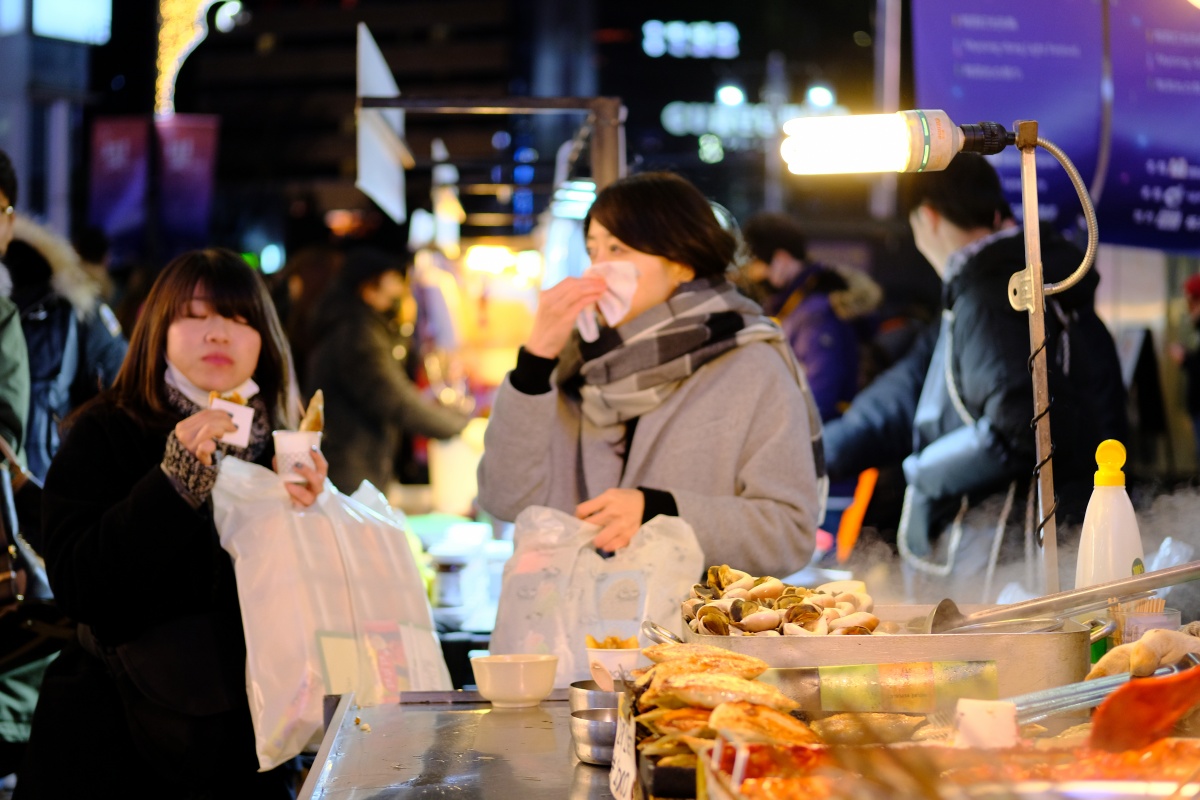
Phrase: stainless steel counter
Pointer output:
(452, 744)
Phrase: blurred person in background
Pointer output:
(956, 410)
(1187, 356)
(73, 338)
(14, 357)
(816, 306)
(692, 405)
(92, 245)
(150, 700)
(299, 286)
(19, 687)
(356, 357)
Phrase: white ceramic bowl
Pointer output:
(515, 681)
(615, 659)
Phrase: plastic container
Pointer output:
(1111, 545)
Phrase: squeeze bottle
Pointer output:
(1111, 546)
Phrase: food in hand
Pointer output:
(314, 416)
(232, 397)
(609, 642)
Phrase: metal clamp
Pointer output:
(657, 633)
(1100, 629)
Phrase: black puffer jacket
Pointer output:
(369, 400)
(987, 442)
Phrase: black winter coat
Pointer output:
(988, 361)
(369, 400)
(152, 701)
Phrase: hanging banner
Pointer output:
(1008, 60)
(1151, 196)
(120, 166)
(187, 159)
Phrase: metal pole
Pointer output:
(775, 93)
(1026, 292)
(608, 141)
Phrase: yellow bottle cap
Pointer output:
(1110, 457)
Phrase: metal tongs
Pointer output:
(1037, 706)
(946, 618)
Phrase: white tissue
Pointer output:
(621, 278)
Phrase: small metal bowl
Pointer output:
(587, 694)
(595, 727)
(593, 754)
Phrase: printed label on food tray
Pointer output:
(623, 771)
(919, 687)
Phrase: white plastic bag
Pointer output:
(331, 602)
(557, 589)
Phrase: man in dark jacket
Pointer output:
(957, 409)
(356, 359)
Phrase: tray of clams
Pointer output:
(794, 627)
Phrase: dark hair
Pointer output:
(366, 265)
(664, 215)
(766, 232)
(92, 244)
(8, 178)
(27, 265)
(967, 192)
(235, 290)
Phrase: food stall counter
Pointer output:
(435, 744)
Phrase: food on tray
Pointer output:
(612, 642)
(867, 728)
(787, 772)
(314, 416)
(1144, 710)
(666, 721)
(669, 651)
(755, 723)
(734, 603)
(709, 691)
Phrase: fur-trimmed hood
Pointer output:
(68, 278)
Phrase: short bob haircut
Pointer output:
(235, 290)
(967, 192)
(664, 215)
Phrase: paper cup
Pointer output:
(293, 449)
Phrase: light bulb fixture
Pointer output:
(907, 141)
(927, 140)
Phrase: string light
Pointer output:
(182, 25)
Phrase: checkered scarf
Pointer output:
(632, 369)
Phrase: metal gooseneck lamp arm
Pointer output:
(921, 141)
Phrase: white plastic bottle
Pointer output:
(1111, 545)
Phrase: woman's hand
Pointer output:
(305, 494)
(618, 512)
(558, 308)
(199, 433)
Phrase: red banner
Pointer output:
(119, 182)
(187, 159)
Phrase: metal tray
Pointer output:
(1023, 662)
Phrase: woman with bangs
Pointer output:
(151, 699)
(691, 405)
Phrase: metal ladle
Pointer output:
(946, 617)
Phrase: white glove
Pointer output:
(1157, 648)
